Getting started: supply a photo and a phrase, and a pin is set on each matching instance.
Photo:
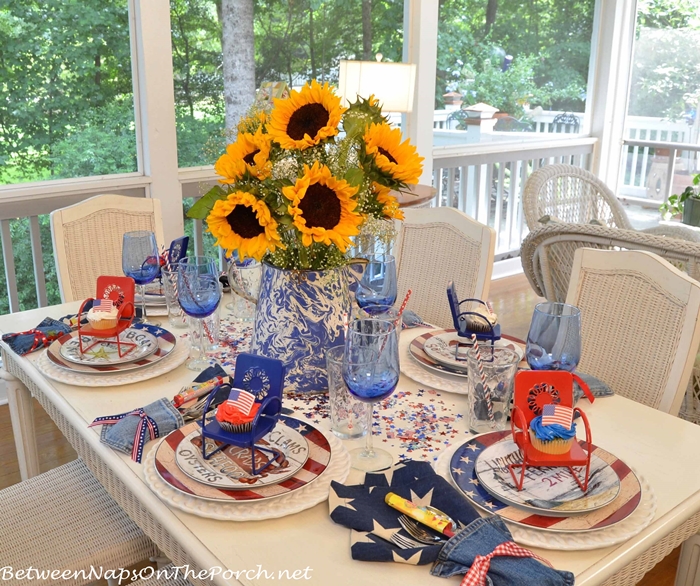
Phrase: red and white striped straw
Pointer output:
(487, 392)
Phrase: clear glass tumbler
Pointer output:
(244, 280)
(348, 415)
(490, 396)
(176, 317)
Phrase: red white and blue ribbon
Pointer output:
(476, 576)
(146, 424)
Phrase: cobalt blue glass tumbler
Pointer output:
(141, 262)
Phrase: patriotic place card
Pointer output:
(242, 400)
(103, 305)
(557, 414)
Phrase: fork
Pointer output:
(405, 542)
(419, 533)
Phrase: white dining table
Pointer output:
(662, 448)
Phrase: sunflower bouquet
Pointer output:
(304, 176)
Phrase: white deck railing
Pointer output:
(486, 181)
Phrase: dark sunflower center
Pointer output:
(244, 222)
(387, 154)
(308, 119)
(250, 157)
(321, 207)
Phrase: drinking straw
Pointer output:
(398, 317)
(487, 392)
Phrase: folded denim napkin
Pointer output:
(597, 387)
(411, 319)
(486, 552)
(40, 337)
(128, 432)
(362, 509)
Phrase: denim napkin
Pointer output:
(129, 432)
(40, 337)
(597, 387)
(481, 538)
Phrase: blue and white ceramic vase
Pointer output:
(298, 316)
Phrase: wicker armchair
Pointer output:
(640, 324)
(570, 194)
(547, 256)
(78, 230)
(64, 519)
(438, 245)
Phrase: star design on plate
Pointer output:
(470, 493)
(101, 354)
(472, 447)
(302, 428)
(158, 332)
(465, 459)
(489, 505)
(474, 481)
(457, 471)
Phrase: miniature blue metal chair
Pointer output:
(263, 377)
(471, 322)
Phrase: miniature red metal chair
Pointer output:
(121, 291)
(533, 390)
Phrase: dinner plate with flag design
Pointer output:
(618, 497)
(315, 464)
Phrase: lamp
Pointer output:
(391, 83)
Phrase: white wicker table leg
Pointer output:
(22, 417)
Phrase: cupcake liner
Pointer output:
(555, 446)
(103, 324)
(239, 428)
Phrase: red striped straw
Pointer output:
(403, 305)
(487, 392)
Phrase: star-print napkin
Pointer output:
(373, 522)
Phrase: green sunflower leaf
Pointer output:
(354, 176)
(201, 208)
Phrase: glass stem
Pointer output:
(142, 292)
(369, 448)
(202, 355)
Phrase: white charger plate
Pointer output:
(586, 540)
(111, 379)
(288, 504)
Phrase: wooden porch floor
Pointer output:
(513, 300)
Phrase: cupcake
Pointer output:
(232, 419)
(554, 431)
(103, 315)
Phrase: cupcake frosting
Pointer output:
(227, 412)
(550, 432)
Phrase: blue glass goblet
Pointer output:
(199, 295)
(371, 373)
(554, 339)
(378, 284)
(140, 261)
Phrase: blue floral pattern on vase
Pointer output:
(298, 316)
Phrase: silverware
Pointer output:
(419, 532)
(405, 542)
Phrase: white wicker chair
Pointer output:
(87, 239)
(64, 519)
(640, 324)
(438, 245)
(573, 195)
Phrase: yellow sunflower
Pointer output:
(322, 207)
(252, 122)
(400, 160)
(242, 222)
(306, 117)
(390, 203)
(251, 152)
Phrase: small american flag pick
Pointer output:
(558, 414)
(103, 305)
(242, 399)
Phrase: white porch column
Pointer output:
(420, 47)
(608, 86)
(154, 102)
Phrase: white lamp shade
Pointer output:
(391, 83)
